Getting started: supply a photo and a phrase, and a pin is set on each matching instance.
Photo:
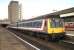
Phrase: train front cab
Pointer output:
(55, 28)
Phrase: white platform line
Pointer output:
(70, 34)
(24, 41)
(69, 42)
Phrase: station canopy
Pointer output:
(58, 13)
(69, 10)
(54, 14)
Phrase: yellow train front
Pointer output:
(55, 28)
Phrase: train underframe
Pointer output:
(50, 37)
(42, 35)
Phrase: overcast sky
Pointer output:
(36, 7)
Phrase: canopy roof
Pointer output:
(54, 14)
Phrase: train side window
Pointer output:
(37, 24)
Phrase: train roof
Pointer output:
(42, 17)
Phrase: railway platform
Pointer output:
(9, 42)
(70, 36)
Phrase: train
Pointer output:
(47, 27)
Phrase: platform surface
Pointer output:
(70, 33)
(9, 42)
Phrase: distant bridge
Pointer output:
(4, 23)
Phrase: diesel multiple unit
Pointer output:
(46, 26)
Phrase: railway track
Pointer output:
(42, 44)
